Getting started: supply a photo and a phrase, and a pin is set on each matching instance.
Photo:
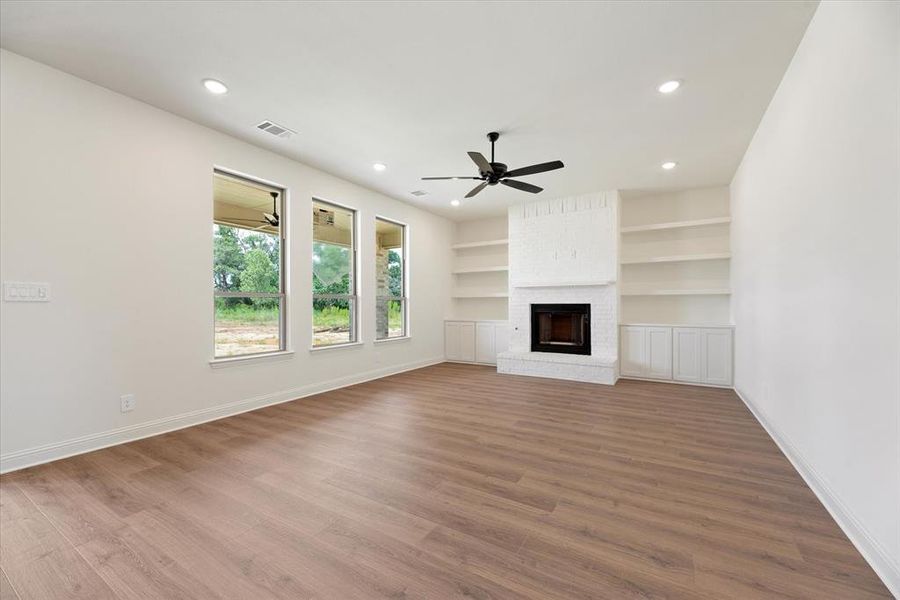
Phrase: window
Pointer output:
(248, 267)
(390, 282)
(334, 319)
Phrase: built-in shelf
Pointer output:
(677, 258)
(677, 292)
(460, 294)
(676, 225)
(483, 244)
(495, 269)
(528, 284)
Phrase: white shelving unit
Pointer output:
(649, 291)
(484, 244)
(465, 294)
(495, 269)
(481, 270)
(674, 258)
(676, 225)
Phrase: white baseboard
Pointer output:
(30, 457)
(693, 383)
(874, 553)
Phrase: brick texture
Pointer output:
(564, 251)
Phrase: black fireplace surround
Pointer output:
(563, 328)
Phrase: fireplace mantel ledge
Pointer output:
(533, 284)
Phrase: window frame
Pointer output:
(354, 296)
(404, 278)
(283, 259)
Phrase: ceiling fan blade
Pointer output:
(433, 178)
(541, 168)
(477, 189)
(521, 185)
(483, 165)
(247, 220)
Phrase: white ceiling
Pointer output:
(416, 85)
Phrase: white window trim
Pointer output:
(356, 344)
(356, 315)
(407, 334)
(234, 361)
(404, 338)
(284, 255)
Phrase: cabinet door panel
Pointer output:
(717, 356)
(634, 352)
(467, 342)
(659, 352)
(485, 348)
(451, 341)
(501, 337)
(686, 354)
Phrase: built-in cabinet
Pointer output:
(475, 341)
(700, 355)
(646, 352)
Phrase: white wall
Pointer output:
(110, 200)
(816, 275)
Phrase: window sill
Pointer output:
(233, 361)
(404, 338)
(336, 346)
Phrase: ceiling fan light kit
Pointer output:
(492, 173)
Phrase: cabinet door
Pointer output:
(485, 344)
(716, 356)
(501, 337)
(659, 352)
(687, 354)
(633, 351)
(451, 341)
(467, 342)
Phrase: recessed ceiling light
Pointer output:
(669, 86)
(379, 166)
(215, 87)
(454, 202)
(668, 166)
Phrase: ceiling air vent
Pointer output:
(419, 193)
(276, 129)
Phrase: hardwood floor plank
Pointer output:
(423, 575)
(38, 560)
(451, 481)
(7, 592)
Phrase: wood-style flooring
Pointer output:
(446, 482)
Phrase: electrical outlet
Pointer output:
(128, 402)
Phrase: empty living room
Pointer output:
(347, 300)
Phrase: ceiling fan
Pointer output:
(492, 173)
(270, 218)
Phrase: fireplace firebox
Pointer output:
(564, 328)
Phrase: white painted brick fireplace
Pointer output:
(564, 251)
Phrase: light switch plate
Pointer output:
(24, 291)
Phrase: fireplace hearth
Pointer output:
(561, 328)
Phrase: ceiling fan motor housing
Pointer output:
(499, 171)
